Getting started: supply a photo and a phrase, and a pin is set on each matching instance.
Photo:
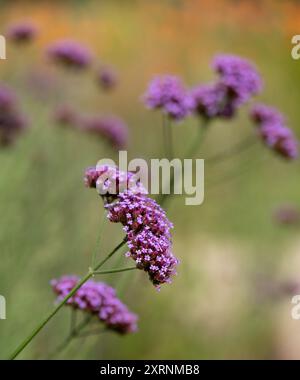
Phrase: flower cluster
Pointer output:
(110, 127)
(107, 78)
(209, 101)
(66, 115)
(70, 53)
(287, 214)
(145, 222)
(12, 122)
(273, 132)
(238, 82)
(7, 99)
(168, 93)
(99, 299)
(21, 32)
(148, 235)
(110, 181)
(238, 76)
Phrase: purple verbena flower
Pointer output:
(148, 234)
(110, 127)
(110, 181)
(99, 299)
(238, 82)
(145, 223)
(66, 115)
(70, 53)
(210, 100)
(239, 77)
(168, 93)
(107, 78)
(12, 121)
(11, 125)
(287, 214)
(273, 132)
(262, 114)
(23, 31)
(7, 99)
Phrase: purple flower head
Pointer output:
(110, 127)
(110, 181)
(281, 139)
(70, 53)
(145, 222)
(210, 100)
(168, 93)
(7, 99)
(273, 132)
(148, 234)
(12, 121)
(66, 115)
(107, 78)
(287, 214)
(11, 125)
(262, 114)
(99, 299)
(22, 31)
(239, 77)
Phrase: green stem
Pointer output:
(190, 154)
(168, 137)
(118, 270)
(233, 175)
(21, 347)
(73, 334)
(197, 142)
(120, 245)
(98, 240)
(240, 147)
(92, 332)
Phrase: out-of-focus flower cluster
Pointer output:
(287, 215)
(12, 121)
(238, 82)
(168, 93)
(24, 31)
(70, 53)
(99, 299)
(107, 77)
(273, 132)
(111, 128)
(145, 222)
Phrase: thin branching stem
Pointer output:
(240, 147)
(91, 332)
(191, 152)
(21, 347)
(73, 334)
(117, 270)
(167, 136)
(97, 246)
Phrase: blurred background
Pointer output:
(239, 267)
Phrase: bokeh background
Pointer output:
(225, 301)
